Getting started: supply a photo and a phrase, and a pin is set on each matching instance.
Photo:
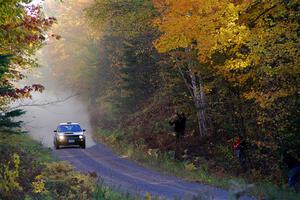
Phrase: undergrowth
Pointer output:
(166, 164)
(29, 171)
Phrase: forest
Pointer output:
(231, 66)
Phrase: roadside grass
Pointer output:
(166, 164)
(103, 192)
(24, 143)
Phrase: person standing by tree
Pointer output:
(178, 122)
(239, 148)
(182, 122)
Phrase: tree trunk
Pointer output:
(195, 87)
(202, 106)
(199, 102)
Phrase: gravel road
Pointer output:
(130, 177)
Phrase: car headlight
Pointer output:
(61, 137)
(80, 136)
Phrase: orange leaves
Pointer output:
(25, 92)
(160, 5)
(176, 24)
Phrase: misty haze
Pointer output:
(56, 104)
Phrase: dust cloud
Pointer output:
(54, 105)
(57, 103)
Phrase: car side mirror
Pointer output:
(55, 131)
(83, 130)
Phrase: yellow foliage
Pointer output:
(153, 152)
(190, 167)
(75, 184)
(261, 50)
(237, 63)
(265, 99)
(205, 21)
(148, 196)
(9, 174)
(39, 185)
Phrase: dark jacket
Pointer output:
(179, 123)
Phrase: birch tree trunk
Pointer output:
(202, 106)
(195, 88)
(199, 101)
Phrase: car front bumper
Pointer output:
(70, 140)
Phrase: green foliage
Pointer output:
(7, 120)
(4, 62)
(133, 56)
(103, 192)
(116, 17)
(268, 191)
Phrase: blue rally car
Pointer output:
(69, 134)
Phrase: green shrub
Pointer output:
(19, 166)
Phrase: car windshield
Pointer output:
(69, 128)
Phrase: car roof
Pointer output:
(68, 123)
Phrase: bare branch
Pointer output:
(42, 104)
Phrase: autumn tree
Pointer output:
(187, 25)
(252, 46)
(22, 31)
